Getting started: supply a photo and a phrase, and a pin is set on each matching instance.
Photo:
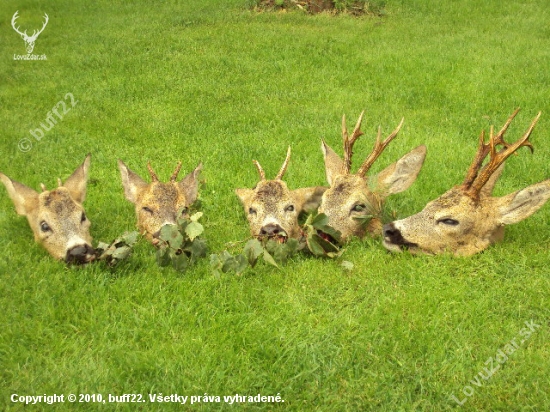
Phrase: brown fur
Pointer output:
(158, 203)
(57, 217)
(272, 209)
(467, 219)
(351, 197)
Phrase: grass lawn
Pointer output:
(212, 81)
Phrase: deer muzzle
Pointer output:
(394, 240)
(80, 254)
(274, 231)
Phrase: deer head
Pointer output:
(351, 199)
(158, 203)
(272, 208)
(29, 40)
(467, 219)
(56, 216)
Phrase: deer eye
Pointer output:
(448, 222)
(289, 208)
(252, 211)
(83, 217)
(44, 227)
(146, 209)
(358, 208)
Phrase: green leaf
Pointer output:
(180, 262)
(195, 217)
(252, 250)
(171, 235)
(122, 252)
(314, 246)
(194, 229)
(130, 238)
(241, 264)
(269, 259)
(216, 262)
(163, 257)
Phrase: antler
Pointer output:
(15, 16)
(154, 177)
(260, 170)
(477, 176)
(176, 171)
(281, 172)
(36, 33)
(378, 149)
(350, 141)
(284, 166)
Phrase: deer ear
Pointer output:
(520, 205)
(487, 189)
(398, 176)
(76, 183)
(133, 184)
(190, 184)
(24, 198)
(308, 199)
(244, 195)
(333, 162)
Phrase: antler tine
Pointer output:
(284, 166)
(176, 172)
(378, 149)
(498, 158)
(260, 170)
(35, 33)
(485, 148)
(154, 176)
(15, 17)
(350, 141)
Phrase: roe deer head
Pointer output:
(158, 203)
(467, 219)
(56, 216)
(351, 200)
(272, 208)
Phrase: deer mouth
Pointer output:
(279, 238)
(327, 237)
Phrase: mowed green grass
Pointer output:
(211, 81)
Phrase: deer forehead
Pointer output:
(59, 202)
(272, 192)
(162, 194)
(346, 189)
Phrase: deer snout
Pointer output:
(393, 236)
(272, 230)
(80, 254)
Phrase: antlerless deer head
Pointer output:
(467, 219)
(351, 201)
(56, 216)
(29, 40)
(272, 209)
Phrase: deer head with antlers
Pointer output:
(352, 203)
(467, 219)
(29, 40)
(272, 209)
(158, 203)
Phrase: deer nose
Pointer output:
(80, 254)
(392, 234)
(272, 229)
